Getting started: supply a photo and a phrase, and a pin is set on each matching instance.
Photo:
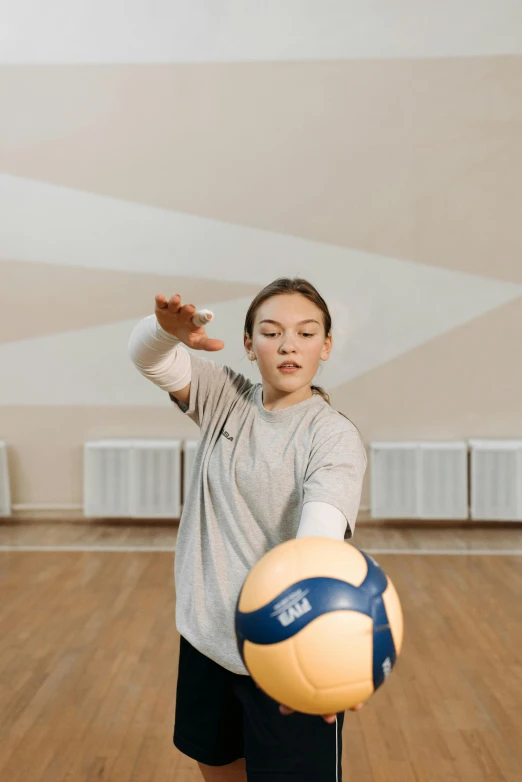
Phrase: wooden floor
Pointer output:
(88, 658)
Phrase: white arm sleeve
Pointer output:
(159, 356)
(321, 520)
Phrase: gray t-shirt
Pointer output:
(253, 471)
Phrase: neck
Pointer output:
(274, 399)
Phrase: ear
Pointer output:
(247, 342)
(325, 352)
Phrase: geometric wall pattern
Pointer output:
(381, 307)
(374, 150)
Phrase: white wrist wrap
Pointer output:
(159, 356)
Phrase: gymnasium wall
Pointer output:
(208, 147)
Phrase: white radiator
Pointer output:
(156, 479)
(444, 480)
(106, 479)
(190, 448)
(419, 480)
(496, 480)
(132, 479)
(5, 494)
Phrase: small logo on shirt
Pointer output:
(227, 435)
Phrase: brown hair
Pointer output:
(287, 285)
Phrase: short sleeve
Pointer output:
(335, 473)
(213, 388)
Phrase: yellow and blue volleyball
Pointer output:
(318, 625)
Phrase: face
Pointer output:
(288, 328)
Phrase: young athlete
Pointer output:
(275, 461)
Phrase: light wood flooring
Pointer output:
(88, 657)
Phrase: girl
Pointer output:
(275, 461)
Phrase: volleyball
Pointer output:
(318, 625)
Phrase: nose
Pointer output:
(287, 346)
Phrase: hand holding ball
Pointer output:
(319, 625)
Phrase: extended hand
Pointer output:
(177, 319)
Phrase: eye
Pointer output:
(269, 335)
(308, 335)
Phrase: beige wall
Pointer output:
(393, 183)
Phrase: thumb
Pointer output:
(212, 344)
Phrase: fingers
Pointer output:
(329, 718)
(175, 303)
(161, 301)
(175, 306)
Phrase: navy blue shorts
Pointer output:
(223, 716)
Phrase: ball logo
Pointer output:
(386, 667)
(294, 612)
(292, 607)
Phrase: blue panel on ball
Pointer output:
(375, 581)
(384, 654)
(297, 606)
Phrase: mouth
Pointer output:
(288, 366)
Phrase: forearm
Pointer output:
(159, 356)
(321, 520)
